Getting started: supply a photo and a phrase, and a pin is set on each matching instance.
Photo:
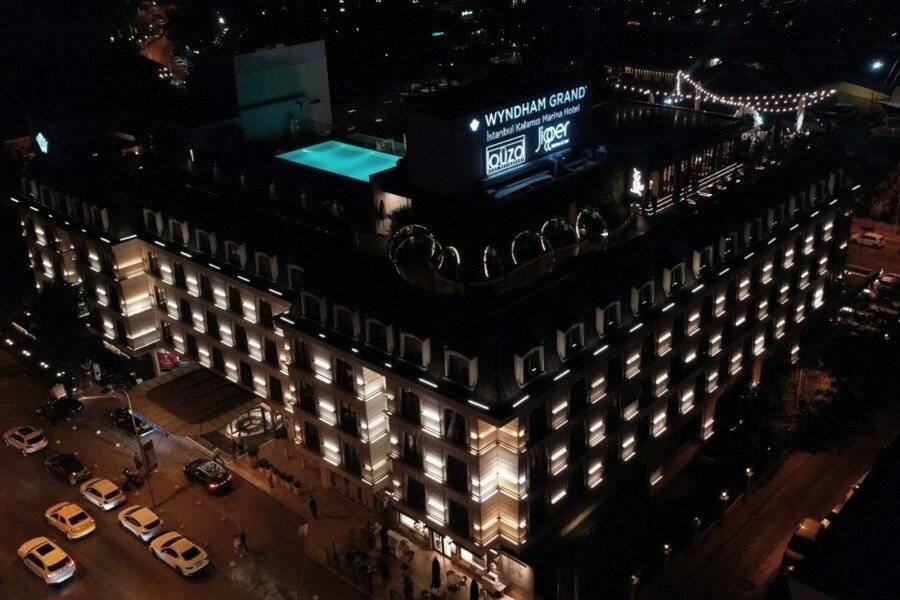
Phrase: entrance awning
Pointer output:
(191, 402)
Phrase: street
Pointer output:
(112, 564)
(742, 556)
(875, 258)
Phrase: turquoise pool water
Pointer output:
(342, 159)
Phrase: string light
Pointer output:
(768, 103)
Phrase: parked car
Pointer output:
(63, 408)
(801, 544)
(26, 439)
(142, 522)
(180, 553)
(209, 473)
(47, 560)
(868, 238)
(122, 418)
(67, 468)
(102, 493)
(70, 519)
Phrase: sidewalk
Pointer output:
(338, 516)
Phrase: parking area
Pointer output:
(111, 560)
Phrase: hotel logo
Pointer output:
(504, 155)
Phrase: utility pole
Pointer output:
(137, 439)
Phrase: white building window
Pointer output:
(673, 279)
(762, 309)
(460, 369)
(153, 221)
(686, 401)
(719, 304)
(529, 366)
(661, 383)
(379, 335)
(415, 350)
(236, 254)
(178, 232)
(266, 266)
(633, 364)
(598, 388)
(346, 321)
(595, 474)
(664, 342)
(743, 290)
(628, 447)
(659, 423)
(630, 411)
(206, 242)
(570, 341)
(642, 298)
(312, 307)
(715, 343)
(692, 325)
(295, 276)
(597, 431)
(712, 380)
(788, 260)
(608, 318)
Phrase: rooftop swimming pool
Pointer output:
(342, 159)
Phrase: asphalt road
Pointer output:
(875, 258)
(112, 564)
(742, 558)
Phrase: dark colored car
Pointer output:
(67, 468)
(210, 474)
(63, 408)
(121, 418)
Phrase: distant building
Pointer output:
(268, 95)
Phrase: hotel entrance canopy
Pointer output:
(191, 402)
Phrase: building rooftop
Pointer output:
(342, 159)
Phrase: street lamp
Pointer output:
(137, 438)
(877, 65)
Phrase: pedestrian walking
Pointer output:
(138, 463)
(243, 537)
(234, 449)
(313, 507)
(271, 480)
(238, 550)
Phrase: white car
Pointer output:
(102, 493)
(142, 522)
(71, 520)
(26, 439)
(47, 560)
(180, 553)
(868, 238)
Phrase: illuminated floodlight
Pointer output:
(474, 124)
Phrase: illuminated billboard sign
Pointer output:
(520, 133)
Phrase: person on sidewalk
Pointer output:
(313, 507)
(238, 550)
(243, 538)
(271, 480)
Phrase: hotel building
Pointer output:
(483, 341)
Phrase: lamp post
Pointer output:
(137, 439)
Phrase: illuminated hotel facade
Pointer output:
(485, 390)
